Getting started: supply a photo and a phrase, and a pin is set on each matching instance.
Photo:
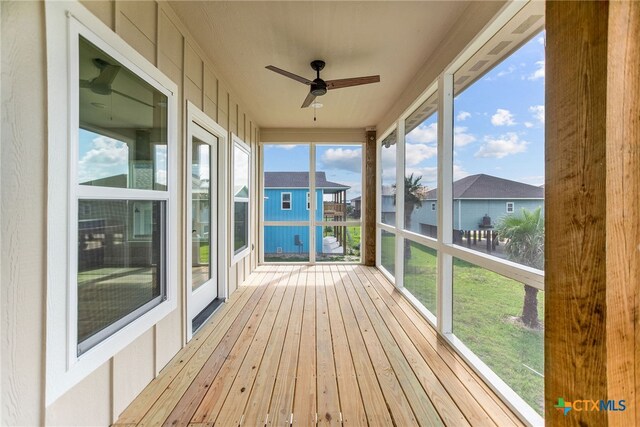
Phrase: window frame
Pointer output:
(511, 205)
(282, 201)
(237, 142)
(443, 244)
(65, 23)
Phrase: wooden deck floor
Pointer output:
(325, 344)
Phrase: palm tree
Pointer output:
(525, 245)
(412, 188)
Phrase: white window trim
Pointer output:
(512, 205)
(64, 22)
(237, 142)
(197, 118)
(282, 201)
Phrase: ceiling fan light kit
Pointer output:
(319, 87)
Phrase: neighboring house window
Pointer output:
(308, 201)
(510, 207)
(285, 201)
(433, 206)
(241, 196)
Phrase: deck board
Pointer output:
(326, 344)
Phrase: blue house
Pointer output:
(479, 202)
(286, 198)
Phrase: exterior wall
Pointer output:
(273, 210)
(472, 212)
(153, 29)
(23, 212)
(283, 237)
(388, 210)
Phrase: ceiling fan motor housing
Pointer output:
(319, 87)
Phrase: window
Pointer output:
(241, 196)
(388, 179)
(285, 201)
(458, 249)
(510, 207)
(112, 258)
(308, 201)
(122, 144)
(421, 169)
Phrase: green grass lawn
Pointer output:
(485, 311)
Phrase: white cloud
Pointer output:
(502, 117)
(461, 137)
(509, 70)
(416, 153)
(463, 115)
(538, 112)
(541, 40)
(528, 124)
(538, 73)
(423, 134)
(342, 158)
(284, 146)
(107, 157)
(502, 146)
(429, 175)
(536, 180)
(459, 172)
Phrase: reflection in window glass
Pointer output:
(240, 199)
(201, 238)
(421, 169)
(120, 264)
(388, 251)
(388, 172)
(500, 320)
(499, 157)
(420, 266)
(123, 125)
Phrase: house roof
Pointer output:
(483, 186)
(298, 180)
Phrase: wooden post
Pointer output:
(369, 244)
(488, 236)
(592, 300)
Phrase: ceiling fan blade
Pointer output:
(107, 75)
(288, 74)
(131, 98)
(354, 81)
(308, 100)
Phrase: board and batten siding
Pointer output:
(154, 30)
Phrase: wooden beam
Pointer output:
(592, 258)
(369, 206)
(623, 209)
(575, 269)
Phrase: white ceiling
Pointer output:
(355, 39)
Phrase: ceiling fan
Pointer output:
(102, 84)
(319, 87)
